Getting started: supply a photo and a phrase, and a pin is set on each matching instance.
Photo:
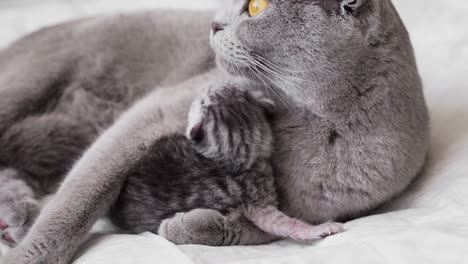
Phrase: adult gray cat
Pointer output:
(222, 163)
(353, 135)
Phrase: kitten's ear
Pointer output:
(267, 104)
(350, 7)
(269, 107)
(197, 133)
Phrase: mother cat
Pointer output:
(352, 135)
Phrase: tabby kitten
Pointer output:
(222, 163)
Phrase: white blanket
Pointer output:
(428, 224)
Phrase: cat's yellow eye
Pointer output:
(257, 6)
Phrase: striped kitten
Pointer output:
(222, 163)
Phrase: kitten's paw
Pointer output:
(320, 232)
(12, 236)
(17, 215)
(201, 226)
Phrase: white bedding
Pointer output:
(429, 224)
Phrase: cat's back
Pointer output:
(95, 68)
(140, 49)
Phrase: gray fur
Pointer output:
(223, 164)
(353, 133)
(18, 206)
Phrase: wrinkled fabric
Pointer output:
(427, 224)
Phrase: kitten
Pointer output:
(223, 163)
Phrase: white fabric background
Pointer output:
(429, 224)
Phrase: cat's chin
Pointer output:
(237, 70)
(229, 67)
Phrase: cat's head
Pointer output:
(293, 44)
(232, 126)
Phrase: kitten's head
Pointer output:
(232, 126)
(290, 43)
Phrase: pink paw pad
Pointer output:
(3, 225)
(7, 236)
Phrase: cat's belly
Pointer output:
(324, 176)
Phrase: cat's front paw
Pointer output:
(320, 232)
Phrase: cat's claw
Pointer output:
(320, 232)
(329, 229)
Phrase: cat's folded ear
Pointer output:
(268, 105)
(351, 7)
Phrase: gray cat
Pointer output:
(223, 163)
(353, 132)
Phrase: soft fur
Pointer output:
(352, 134)
(223, 163)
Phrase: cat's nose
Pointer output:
(216, 27)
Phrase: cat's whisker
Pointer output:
(255, 71)
(240, 71)
(287, 73)
(252, 65)
(288, 77)
(283, 77)
(288, 83)
(243, 76)
(321, 66)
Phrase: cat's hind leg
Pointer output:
(273, 221)
(18, 207)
